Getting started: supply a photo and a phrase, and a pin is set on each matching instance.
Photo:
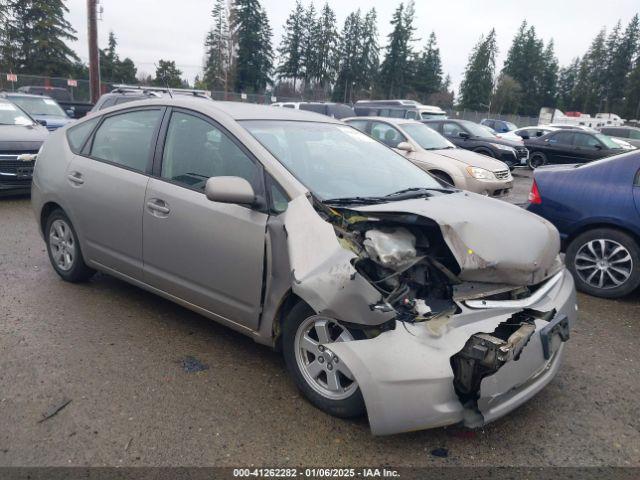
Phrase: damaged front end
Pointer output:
(452, 307)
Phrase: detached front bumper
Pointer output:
(406, 376)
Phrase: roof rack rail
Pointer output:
(121, 88)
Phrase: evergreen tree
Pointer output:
(567, 80)
(427, 79)
(622, 47)
(396, 64)
(534, 68)
(326, 47)
(590, 90)
(252, 34)
(8, 37)
(168, 75)
(291, 47)
(369, 59)
(217, 51)
(507, 96)
(549, 78)
(112, 69)
(477, 84)
(38, 35)
(632, 94)
(349, 54)
(308, 50)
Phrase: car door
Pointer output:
(588, 147)
(206, 253)
(107, 182)
(559, 148)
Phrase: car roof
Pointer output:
(22, 94)
(235, 110)
(394, 121)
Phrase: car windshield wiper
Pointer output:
(414, 192)
(355, 200)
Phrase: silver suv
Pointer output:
(387, 290)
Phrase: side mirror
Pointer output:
(71, 112)
(464, 135)
(230, 190)
(598, 147)
(524, 136)
(405, 147)
(42, 122)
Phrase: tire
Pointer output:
(344, 403)
(444, 177)
(588, 263)
(64, 249)
(536, 159)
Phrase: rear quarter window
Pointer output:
(77, 135)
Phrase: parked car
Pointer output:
(43, 109)
(435, 154)
(130, 93)
(622, 143)
(527, 132)
(570, 146)
(600, 233)
(73, 108)
(474, 137)
(409, 109)
(330, 109)
(306, 234)
(499, 126)
(628, 134)
(20, 139)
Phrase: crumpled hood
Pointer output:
(492, 241)
(472, 158)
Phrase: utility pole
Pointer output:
(94, 59)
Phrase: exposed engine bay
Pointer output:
(450, 318)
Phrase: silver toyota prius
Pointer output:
(387, 291)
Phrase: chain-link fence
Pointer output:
(79, 90)
(518, 120)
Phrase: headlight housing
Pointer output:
(480, 173)
(506, 148)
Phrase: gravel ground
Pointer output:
(118, 353)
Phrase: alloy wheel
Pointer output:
(63, 246)
(603, 263)
(321, 368)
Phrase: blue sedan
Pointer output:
(596, 208)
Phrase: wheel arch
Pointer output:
(601, 224)
(45, 211)
(288, 301)
(437, 171)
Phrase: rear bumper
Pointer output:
(406, 378)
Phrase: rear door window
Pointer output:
(77, 135)
(562, 138)
(125, 139)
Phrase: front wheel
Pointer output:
(537, 159)
(320, 374)
(604, 262)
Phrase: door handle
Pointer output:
(158, 206)
(76, 178)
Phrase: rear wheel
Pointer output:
(537, 159)
(64, 249)
(604, 262)
(320, 374)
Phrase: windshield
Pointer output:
(608, 142)
(478, 130)
(426, 137)
(39, 106)
(12, 115)
(433, 116)
(337, 161)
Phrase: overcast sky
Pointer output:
(148, 30)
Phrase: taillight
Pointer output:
(534, 194)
